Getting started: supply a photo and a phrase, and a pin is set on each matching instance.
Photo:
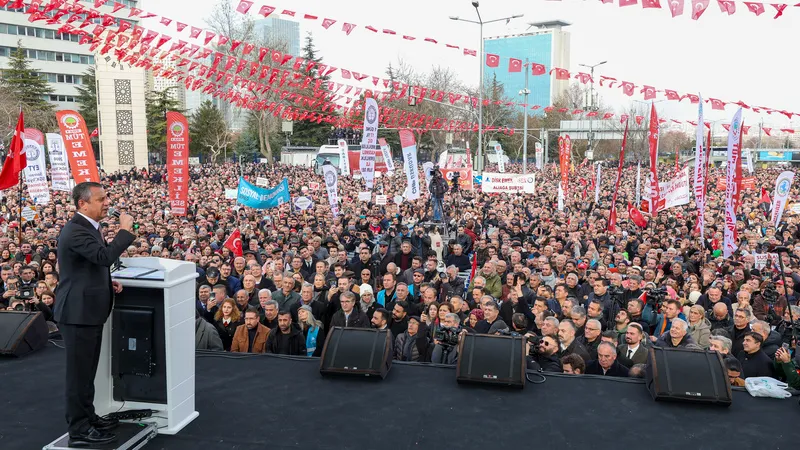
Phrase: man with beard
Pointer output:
(633, 351)
(287, 339)
(399, 318)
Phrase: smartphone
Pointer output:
(785, 346)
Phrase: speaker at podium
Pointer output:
(147, 357)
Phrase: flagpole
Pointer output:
(19, 200)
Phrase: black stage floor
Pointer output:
(262, 401)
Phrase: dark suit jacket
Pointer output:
(638, 357)
(616, 369)
(84, 295)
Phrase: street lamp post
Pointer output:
(480, 22)
(524, 93)
(591, 101)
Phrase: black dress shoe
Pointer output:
(102, 424)
(91, 437)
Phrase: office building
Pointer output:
(279, 33)
(548, 44)
(177, 89)
(57, 57)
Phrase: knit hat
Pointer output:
(693, 297)
(306, 308)
(365, 289)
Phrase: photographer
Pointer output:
(452, 285)
(543, 353)
(445, 350)
(437, 188)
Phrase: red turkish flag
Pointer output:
(649, 92)
(348, 27)
(755, 8)
(561, 74)
(639, 120)
(514, 65)
(787, 130)
(626, 2)
(624, 118)
(726, 126)
(16, 161)
(266, 10)
(693, 98)
(326, 23)
(676, 7)
(717, 104)
(584, 77)
(636, 216)
(651, 4)
(492, 60)
(180, 26)
(779, 7)
(608, 115)
(698, 8)
(627, 88)
(345, 72)
(234, 243)
(244, 6)
(767, 131)
(672, 95)
(467, 52)
(538, 69)
(288, 12)
(95, 133)
(209, 36)
(727, 6)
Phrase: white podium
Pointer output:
(147, 359)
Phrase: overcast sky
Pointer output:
(741, 57)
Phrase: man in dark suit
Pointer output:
(84, 298)
(606, 363)
(633, 350)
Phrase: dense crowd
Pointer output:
(589, 301)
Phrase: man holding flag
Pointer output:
(16, 161)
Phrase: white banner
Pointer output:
(427, 169)
(344, 161)
(597, 184)
(261, 181)
(508, 182)
(734, 154)
(761, 260)
(35, 173)
(501, 163)
(700, 171)
(638, 183)
(674, 192)
(783, 187)
(749, 155)
(539, 155)
(409, 146)
(332, 185)
(59, 165)
(369, 142)
(560, 198)
(387, 156)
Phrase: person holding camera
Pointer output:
(445, 339)
(452, 285)
(437, 188)
(543, 353)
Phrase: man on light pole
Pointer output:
(481, 22)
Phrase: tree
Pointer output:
(158, 104)
(309, 132)
(209, 131)
(87, 98)
(29, 90)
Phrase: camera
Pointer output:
(443, 275)
(25, 293)
(447, 337)
(534, 341)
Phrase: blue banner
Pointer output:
(253, 196)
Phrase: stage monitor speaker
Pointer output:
(687, 375)
(357, 351)
(22, 332)
(489, 359)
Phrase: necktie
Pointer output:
(630, 353)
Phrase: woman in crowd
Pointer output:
(475, 316)
(312, 329)
(227, 319)
(699, 326)
(47, 267)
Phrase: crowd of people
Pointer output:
(588, 300)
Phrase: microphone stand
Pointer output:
(780, 251)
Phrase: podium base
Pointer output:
(130, 436)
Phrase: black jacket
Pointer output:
(616, 369)
(357, 319)
(772, 343)
(758, 364)
(84, 295)
(577, 348)
(544, 363)
(296, 338)
(317, 309)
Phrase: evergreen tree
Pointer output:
(24, 82)
(87, 99)
(209, 131)
(158, 104)
(309, 132)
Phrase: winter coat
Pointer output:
(206, 336)
(701, 332)
(297, 341)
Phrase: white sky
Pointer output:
(741, 57)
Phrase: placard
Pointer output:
(380, 199)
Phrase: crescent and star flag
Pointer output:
(16, 160)
(636, 216)
(234, 243)
(492, 60)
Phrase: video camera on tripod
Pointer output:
(656, 296)
(770, 295)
